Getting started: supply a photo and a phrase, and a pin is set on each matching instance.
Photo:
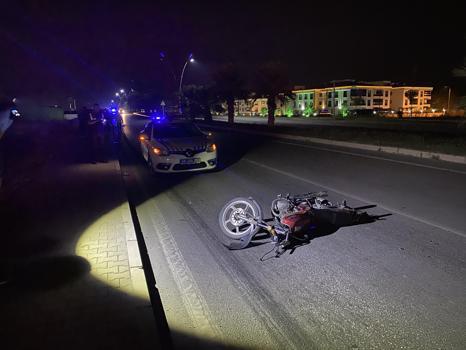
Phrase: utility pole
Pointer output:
(448, 103)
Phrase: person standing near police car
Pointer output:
(96, 131)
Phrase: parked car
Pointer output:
(176, 146)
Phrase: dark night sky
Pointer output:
(93, 47)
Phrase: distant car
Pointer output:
(170, 147)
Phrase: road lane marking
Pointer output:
(191, 295)
(374, 157)
(346, 194)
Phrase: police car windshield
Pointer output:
(176, 130)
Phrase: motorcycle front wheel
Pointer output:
(235, 227)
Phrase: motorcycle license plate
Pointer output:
(190, 161)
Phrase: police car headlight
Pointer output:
(160, 151)
(212, 147)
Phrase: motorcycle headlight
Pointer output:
(211, 147)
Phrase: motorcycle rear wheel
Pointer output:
(234, 227)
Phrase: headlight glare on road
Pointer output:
(211, 147)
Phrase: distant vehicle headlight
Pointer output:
(211, 147)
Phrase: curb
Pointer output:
(384, 149)
(138, 278)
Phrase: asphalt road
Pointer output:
(395, 283)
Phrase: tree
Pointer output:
(308, 111)
(263, 111)
(200, 99)
(228, 86)
(411, 95)
(272, 83)
(460, 70)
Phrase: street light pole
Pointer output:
(448, 103)
(190, 59)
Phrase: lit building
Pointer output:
(256, 107)
(362, 97)
(381, 97)
(411, 99)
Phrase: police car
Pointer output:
(176, 146)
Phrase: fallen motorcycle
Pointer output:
(294, 219)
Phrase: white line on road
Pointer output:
(374, 157)
(346, 194)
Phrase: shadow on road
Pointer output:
(322, 228)
(45, 273)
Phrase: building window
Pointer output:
(345, 93)
(330, 103)
(345, 103)
(358, 92)
(386, 93)
(320, 103)
(369, 93)
(368, 102)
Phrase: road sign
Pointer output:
(162, 103)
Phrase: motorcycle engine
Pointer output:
(281, 207)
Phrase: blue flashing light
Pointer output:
(156, 118)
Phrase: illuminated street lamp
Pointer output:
(117, 94)
(122, 91)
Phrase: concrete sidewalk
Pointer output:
(69, 257)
